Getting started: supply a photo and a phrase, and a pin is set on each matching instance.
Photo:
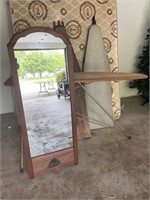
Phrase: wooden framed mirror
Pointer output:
(48, 124)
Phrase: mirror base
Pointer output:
(41, 163)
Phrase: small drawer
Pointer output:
(53, 162)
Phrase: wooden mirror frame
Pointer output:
(40, 165)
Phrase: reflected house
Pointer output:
(36, 75)
(58, 70)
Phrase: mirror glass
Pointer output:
(44, 86)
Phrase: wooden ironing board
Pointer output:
(87, 77)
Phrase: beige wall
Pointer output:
(133, 23)
(6, 100)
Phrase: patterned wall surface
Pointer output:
(76, 15)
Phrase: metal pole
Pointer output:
(22, 157)
(91, 120)
(129, 137)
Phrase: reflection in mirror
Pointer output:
(44, 85)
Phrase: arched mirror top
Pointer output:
(38, 36)
(39, 41)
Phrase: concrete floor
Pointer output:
(48, 119)
(110, 165)
(48, 122)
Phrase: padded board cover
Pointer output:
(96, 59)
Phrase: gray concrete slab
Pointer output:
(110, 165)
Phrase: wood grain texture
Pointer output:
(87, 77)
(83, 127)
(72, 98)
(15, 80)
(41, 163)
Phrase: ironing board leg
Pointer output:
(129, 137)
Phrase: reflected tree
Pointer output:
(38, 62)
